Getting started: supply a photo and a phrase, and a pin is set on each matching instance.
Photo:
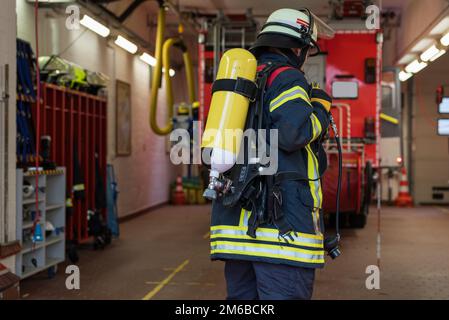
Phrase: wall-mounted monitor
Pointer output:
(345, 90)
(443, 108)
(443, 127)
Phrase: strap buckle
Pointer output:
(246, 88)
(241, 86)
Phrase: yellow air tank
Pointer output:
(228, 112)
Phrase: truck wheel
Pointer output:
(357, 221)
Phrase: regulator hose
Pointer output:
(332, 244)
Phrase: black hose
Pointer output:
(340, 172)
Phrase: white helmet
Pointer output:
(288, 28)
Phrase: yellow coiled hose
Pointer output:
(163, 58)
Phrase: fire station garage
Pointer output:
(206, 149)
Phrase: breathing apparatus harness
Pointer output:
(245, 184)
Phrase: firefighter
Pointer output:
(271, 266)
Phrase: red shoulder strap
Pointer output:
(273, 74)
(276, 73)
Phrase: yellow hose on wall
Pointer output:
(189, 76)
(163, 58)
(156, 80)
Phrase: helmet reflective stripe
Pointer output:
(290, 22)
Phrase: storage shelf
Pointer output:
(50, 207)
(50, 263)
(28, 224)
(27, 274)
(31, 201)
(28, 246)
(54, 239)
(77, 124)
(51, 250)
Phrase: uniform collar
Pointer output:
(289, 59)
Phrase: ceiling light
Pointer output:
(51, 1)
(126, 44)
(415, 67)
(422, 45)
(404, 76)
(406, 59)
(445, 40)
(441, 27)
(95, 26)
(438, 55)
(148, 59)
(430, 53)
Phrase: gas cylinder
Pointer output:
(227, 115)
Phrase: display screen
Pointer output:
(345, 90)
(443, 127)
(444, 105)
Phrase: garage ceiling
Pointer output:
(259, 7)
(264, 7)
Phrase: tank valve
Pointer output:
(211, 192)
(216, 186)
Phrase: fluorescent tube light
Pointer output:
(406, 59)
(126, 44)
(415, 67)
(443, 127)
(422, 45)
(430, 53)
(441, 27)
(95, 26)
(438, 55)
(148, 59)
(445, 40)
(51, 1)
(404, 76)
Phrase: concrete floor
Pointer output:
(171, 244)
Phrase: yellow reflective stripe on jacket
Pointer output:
(244, 216)
(291, 94)
(267, 230)
(296, 239)
(316, 127)
(315, 187)
(269, 251)
(326, 104)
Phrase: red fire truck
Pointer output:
(352, 75)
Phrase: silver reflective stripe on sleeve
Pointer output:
(294, 93)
